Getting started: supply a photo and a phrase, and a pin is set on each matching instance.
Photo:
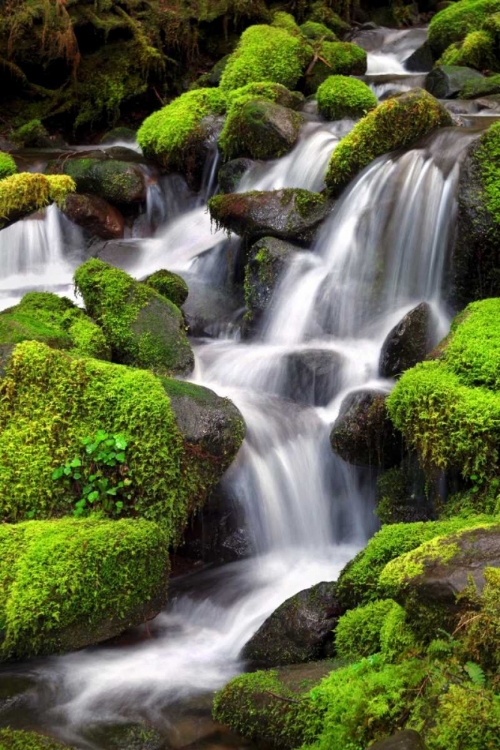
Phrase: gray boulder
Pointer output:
(446, 81)
(313, 376)
(406, 739)
(407, 343)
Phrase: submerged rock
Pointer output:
(313, 376)
(363, 434)
(406, 739)
(231, 173)
(95, 215)
(259, 129)
(289, 214)
(446, 81)
(407, 343)
(300, 630)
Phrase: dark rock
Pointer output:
(116, 181)
(420, 61)
(213, 77)
(403, 495)
(300, 630)
(95, 215)
(289, 214)
(313, 376)
(260, 129)
(407, 343)
(363, 434)
(231, 173)
(120, 134)
(211, 310)
(446, 81)
(124, 254)
(406, 739)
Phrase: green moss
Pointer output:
(20, 194)
(475, 88)
(394, 124)
(169, 285)
(342, 58)
(322, 13)
(358, 632)
(31, 134)
(317, 32)
(143, 328)
(173, 134)
(7, 165)
(479, 628)
(266, 53)
(115, 181)
(11, 739)
(341, 96)
(412, 565)
(285, 21)
(454, 23)
(488, 154)
(476, 51)
(55, 321)
(71, 581)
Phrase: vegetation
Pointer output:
(456, 21)
(360, 632)
(7, 165)
(169, 285)
(487, 157)
(335, 58)
(340, 96)
(11, 739)
(317, 31)
(20, 194)
(476, 51)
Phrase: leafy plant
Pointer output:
(99, 475)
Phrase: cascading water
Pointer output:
(383, 250)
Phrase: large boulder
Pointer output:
(407, 343)
(95, 215)
(313, 376)
(50, 572)
(446, 81)
(405, 739)
(342, 96)
(300, 630)
(259, 129)
(394, 124)
(143, 328)
(290, 214)
(476, 253)
(111, 179)
(363, 434)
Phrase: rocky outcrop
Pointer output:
(300, 630)
(95, 215)
(407, 343)
(446, 81)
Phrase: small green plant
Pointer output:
(99, 475)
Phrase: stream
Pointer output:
(383, 250)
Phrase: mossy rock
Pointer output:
(181, 437)
(212, 78)
(476, 51)
(230, 174)
(169, 285)
(72, 583)
(454, 23)
(341, 96)
(321, 12)
(447, 81)
(317, 32)
(32, 134)
(55, 321)
(396, 123)
(405, 739)
(342, 58)
(113, 180)
(126, 737)
(7, 165)
(22, 193)
(474, 271)
(377, 627)
(402, 495)
(479, 87)
(143, 328)
(17, 739)
(120, 134)
(289, 214)
(98, 217)
(259, 129)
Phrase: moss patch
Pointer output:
(317, 32)
(476, 51)
(7, 165)
(456, 21)
(341, 96)
(20, 194)
(342, 58)
(11, 739)
(169, 285)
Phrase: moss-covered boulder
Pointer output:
(120, 134)
(341, 96)
(95, 215)
(377, 627)
(266, 53)
(33, 134)
(289, 214)
(300, 630)
(475, 261)
(22, 193)
(72, 583)
(125, 737)
(113, 180)
(407, 343)
(476, 51)
(480, 86)
(180, 437)
(55, 321)
(169, 285)
(143, 328)
(403, 495)
(321, 12)
(177, 135)
(7, 165)
(394, 124)
(335, 58)
(17, 739)
(447, 81)
(259, 129)
(363, 434)
(455, 22)
(317, 32)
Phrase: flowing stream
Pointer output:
(383, 250)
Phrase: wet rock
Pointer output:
(124, 254)
(289, 214)
(300, 630)
(406, 739)
(126, 737)
(169, 285)
(267, 259)
(210, 311)
(407, 343)
(116, 181)
(446, 81)
(420, 61)
(403, 495)
(260, 129)
(231, 173)
(95, 215)
(120, 135)
(363, 433)
(212, 78)
(313, 376)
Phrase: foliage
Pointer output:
(99, 475)
(142, 327)
(169, 285)
(476, 51)
(25, 192)
(335, 58)
(56, 321)
(396, 123)
(340, 96)
(12, 739)
(479, 627)
(359, 631)
(31, 134)
(285, 21)
(322, 13)
(487, 154)
(317, 32)
(476, 87)
(69, 582)
(7, 165)
(266, 53)
(457, 20)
